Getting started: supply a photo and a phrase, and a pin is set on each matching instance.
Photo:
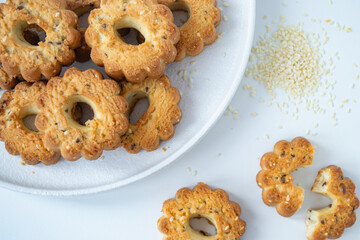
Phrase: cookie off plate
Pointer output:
(206, 82)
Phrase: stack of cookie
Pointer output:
(31, 63)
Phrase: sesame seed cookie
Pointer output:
(58, 120)
(14, 107)
(331, 221)
(275, 178)
(134, 62)
(200, 29)
(214, 205)
(157, 123)
(21, 58)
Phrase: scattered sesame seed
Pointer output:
(225, 18)
(218, 154)
(194, 173)
(254, 114)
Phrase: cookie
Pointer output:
(275, 178)
(157, 123)
(134, 62)
(201, 202)
(82, 6)
(331, 221)
(14, 107)
(19, 57)
(200, 29)
(62, 130)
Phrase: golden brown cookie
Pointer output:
(19, 57)
(200, 29)
(201, 202)
(331, 221)
(62, 130)
(14, 107)
(134, 62)
(275, 178)
(157, 123)
(82, 6)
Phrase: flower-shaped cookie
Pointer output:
(275, 178)
(161, 116)
(331, 221)
(18, 56)
(58, 120)
(14, 107)
(201, 202)
(199, 30)
(135, 62)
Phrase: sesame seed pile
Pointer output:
(287, 60)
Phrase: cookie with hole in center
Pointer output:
(202, 201)
(157, 123)
(100, 129)
(15, 106)
(275, 178)
(200, 28)
(134, 62)
(22, 57)
(331, 221)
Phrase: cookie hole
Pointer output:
(29, 122)
(82, 112)
(139, 108)
(33, 34)
(203, 225)
(130, 36)
(181, 13)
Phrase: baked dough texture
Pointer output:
(331, 221)
(19, 57)
(58, 109)
(275, 178)
(134, 62)
(213, 205)
(157, 123)
(14, 107)
(200, 29)
(7, 82)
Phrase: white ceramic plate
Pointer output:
(218, 73)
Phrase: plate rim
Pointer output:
(175, 156)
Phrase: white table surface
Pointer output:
(132, 212)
